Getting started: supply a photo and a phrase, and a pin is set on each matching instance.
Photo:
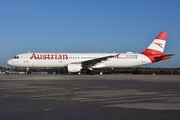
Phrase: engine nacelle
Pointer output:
(74, 67)
(99, 66)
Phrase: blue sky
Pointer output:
(88, 26)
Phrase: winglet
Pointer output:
(117, 55)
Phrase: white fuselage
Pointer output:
(52, 60)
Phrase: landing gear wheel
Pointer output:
(89, 72)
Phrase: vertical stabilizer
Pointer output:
(158, 45)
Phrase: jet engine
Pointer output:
(74, 67)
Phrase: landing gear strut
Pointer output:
(27, 71)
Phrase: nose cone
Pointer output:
(10, 62)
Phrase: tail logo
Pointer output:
(159, 44)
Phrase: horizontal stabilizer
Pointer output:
(163, 57)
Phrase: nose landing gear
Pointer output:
(27, 71)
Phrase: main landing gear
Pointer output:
(89, 72)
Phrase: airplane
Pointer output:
(75, 62)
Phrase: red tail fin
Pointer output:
(155, 50)
(158, 45)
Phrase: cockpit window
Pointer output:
(16, 57)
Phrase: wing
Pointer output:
(95, 61)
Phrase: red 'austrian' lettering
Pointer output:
(49, 56)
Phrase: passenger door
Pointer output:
(26, 57)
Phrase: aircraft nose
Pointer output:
(10, 62)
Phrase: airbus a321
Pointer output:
(75, 62)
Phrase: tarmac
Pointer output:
(90, 97)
